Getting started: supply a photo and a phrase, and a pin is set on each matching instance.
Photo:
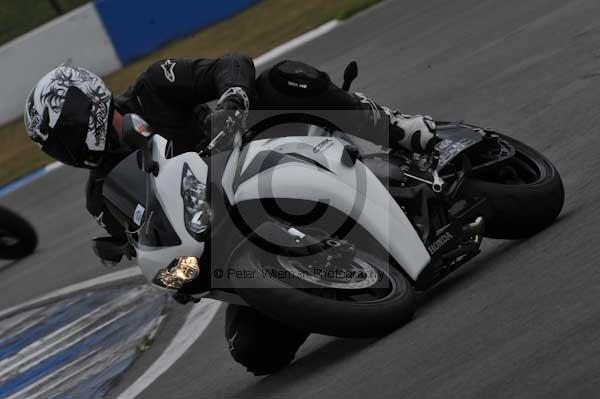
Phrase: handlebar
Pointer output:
(212, 144)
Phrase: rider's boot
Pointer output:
(415, 133)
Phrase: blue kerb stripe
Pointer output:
(98, 385)
(60, 317)
(107, 336)
(36, 174)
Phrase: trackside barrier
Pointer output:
(101, 36)
(77, 37)
(138, 27)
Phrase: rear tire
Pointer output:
(17, 237)
(314, 313)
(520, 210)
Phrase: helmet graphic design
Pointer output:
(67, 113)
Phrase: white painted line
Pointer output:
(56, 341)
(53, 166)
(26, 392)
(72, 373)
(105, 279)
(7, 372)
(294, 43)
(196, 322)
(20, 322)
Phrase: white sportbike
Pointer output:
(323, 231)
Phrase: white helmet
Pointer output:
(68, 113)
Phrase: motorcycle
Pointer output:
(314, 230)
(17, 236)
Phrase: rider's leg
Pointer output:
(263, 345)
(294, 85)
(415, 133)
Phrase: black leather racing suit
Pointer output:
(171, 96)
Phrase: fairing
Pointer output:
(310, 168)
(166, 188)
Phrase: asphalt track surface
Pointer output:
(522, 319)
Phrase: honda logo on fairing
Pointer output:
(440, 242)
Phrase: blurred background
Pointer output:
(117, 39)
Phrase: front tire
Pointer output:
(320, 310)
(17, 237)
(523, 199)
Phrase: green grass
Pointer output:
(20, 16)
(254, 31)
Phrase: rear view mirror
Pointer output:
(136, 134)
(350, 73)
(136, 131)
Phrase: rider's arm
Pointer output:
(191, 82)
(97, 208)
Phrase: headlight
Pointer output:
(197, 213)
(180, 271)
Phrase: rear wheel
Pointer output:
(525, 194)
(367, 298)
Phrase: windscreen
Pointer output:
(131, 192)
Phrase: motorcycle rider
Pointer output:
(75, 119)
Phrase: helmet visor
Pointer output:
(67, 141)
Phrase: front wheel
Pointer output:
(374, 300)
(525, 194)
(17, 237)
